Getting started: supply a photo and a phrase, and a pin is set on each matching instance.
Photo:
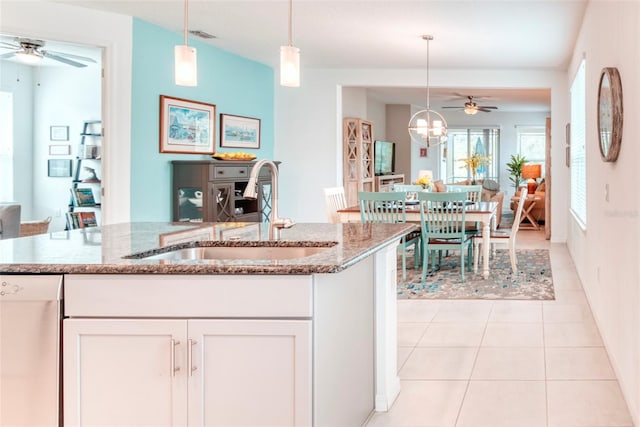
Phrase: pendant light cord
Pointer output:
(428, 38)
(290, 22)
(186, 20)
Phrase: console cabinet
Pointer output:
(357, 154)
(212, 191)
(385, 182)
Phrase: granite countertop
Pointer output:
(101, 250)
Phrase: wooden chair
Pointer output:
(498, 237)
(442, 218)
(334, 200)
(389, 207)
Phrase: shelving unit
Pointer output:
(88, 168)
(212, 191)
(358, 158)
(385, 182)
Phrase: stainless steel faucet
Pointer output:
(251, 192)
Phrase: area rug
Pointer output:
(532, 282)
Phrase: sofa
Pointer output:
(490, 193)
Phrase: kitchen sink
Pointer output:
(237, 252)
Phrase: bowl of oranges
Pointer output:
(239, 156)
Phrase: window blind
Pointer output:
(578, 147)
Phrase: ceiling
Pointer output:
(474, 34)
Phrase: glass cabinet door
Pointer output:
(190, 204)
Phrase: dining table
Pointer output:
(481, 212)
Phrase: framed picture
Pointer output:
(59, 133)
(239, 132)
(186, 126)
(423, 151)
(59, 150)
(59, 168)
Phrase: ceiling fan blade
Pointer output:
(70, 56)
(61, 59)
(5, 45)
(483, 110)
(488, 106)
(7, 55)
(452, 107)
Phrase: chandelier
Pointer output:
(428, 127)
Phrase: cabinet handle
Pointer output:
(241, 171)
(174, 368)
(190, 366)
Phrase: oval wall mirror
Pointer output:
(610, 114)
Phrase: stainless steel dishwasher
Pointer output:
(30, 350)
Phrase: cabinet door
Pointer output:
(124, 372)
(250, 373)
(222, 202)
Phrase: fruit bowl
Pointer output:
(238, 157)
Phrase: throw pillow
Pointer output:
(491, 185)
(439, 186)
(542, 186)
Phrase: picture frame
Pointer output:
(239, 131)
(424, 152)
(59, 133)
(186, 127)
(59, 168)
(60, 150)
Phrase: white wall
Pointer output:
(63, 96)
(60, 22)
(606, 253)
(314, 110)
(18, 79)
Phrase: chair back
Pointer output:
(442, 215)
(387, 207)
(518, 214)
(474, 192)
(334, 199)
(9, 220)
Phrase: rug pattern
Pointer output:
(532, 282)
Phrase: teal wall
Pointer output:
(234, 84)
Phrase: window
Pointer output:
(6, 146)
(578, 147)
(531, 144)
(463, 143)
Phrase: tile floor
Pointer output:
(506, 363)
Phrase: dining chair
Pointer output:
(442, 221)
(389, 207)
(407, 187)
(502, 237)
(335, 200)
(9, 220)
(474, 192)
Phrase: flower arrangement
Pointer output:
(474, 162)
(424, 180)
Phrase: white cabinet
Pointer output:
(119, 372)
(187, 372)
(182, 371)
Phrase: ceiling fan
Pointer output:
(470, 107)
(31, 52)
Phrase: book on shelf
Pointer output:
(87, 219)
(83, 197)
(89, 151)
(77, 220)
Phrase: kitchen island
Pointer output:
(305, 338)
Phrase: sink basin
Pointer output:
(239, 252)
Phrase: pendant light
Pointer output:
(428, 127)
(186, 61)
(290, 59)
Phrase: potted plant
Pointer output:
(473, 163)
(515, 169)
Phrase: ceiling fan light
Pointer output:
(289, 66)
(471, 110)
(186, 65)
(29, 58)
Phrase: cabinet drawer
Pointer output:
(141, 295)
(221, 172)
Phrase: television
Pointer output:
(384, 153)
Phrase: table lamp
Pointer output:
(428, 173)
(531, 173)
